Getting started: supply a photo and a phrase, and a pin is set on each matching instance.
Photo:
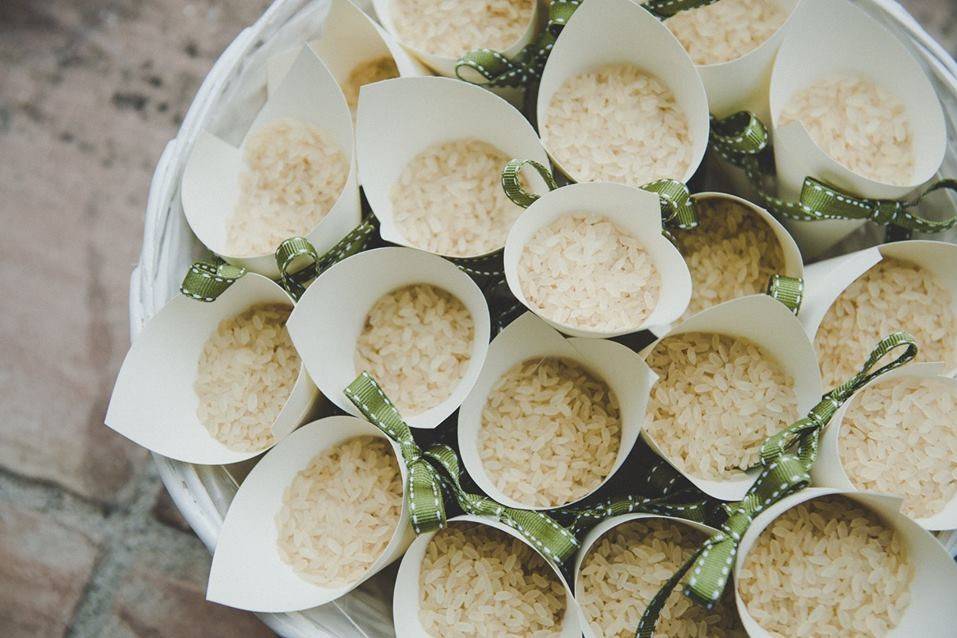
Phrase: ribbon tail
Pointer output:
(649, 619)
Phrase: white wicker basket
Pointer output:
(226, 103)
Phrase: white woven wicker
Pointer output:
(226, 103)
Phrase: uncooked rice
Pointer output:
(584, 271)
(452, 28)
(827, 567)
(339, 514)
(550, 432)
(893, 295)
(727, 29)
(716, 400)
(627, 566)
(367, 72)
(617, 124)
(417, 343)
(899, 436)
(858, 124)
(293, 174)
(476, 580)
(245, 374)
(449, 199)
(732, 253)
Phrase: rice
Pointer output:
(550, 432)
(244, 376)
(368, 72)
(584, 271)
(859, 124)
(293, 175)
(629, 564)
(827, 567)
(732, 253)
(476, 580)
(417, 343)
(449, 199)
(617, 124)
(899, 436)
(452, 28)
(727, 29)
(893, 295)
(339, 514)
(716, 400)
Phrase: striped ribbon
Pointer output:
(787, 290)
(208, 278)
(786, 461)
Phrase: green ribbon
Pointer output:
(437, 470)
(687, 504)
(787, 290)
(666, 8)
(208, 278)
(512, 183)
(743, 140)
(786, 461)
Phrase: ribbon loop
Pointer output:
(677, 206)
(208, 278)
(787, 290)
(512, 183)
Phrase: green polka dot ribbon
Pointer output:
(743, 140)
(787, 290)
(786, 461)
(208, 278)
(437, 471)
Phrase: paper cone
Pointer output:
(154, 403)
(931, 612)
(766, 323)
(210, 189)
(329, 318)
(528, 337)
(398, 119)
(405, 604)
(620, 31)
(825, 31)
(635, 211)
(247, 572)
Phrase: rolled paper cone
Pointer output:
(349, 37)
(603, 33)
(405, 601)
(829, 470)
(635, 211)
(329, 318)
(398, 119)
(598, 532)
(771, 326)
(211, 180)
(826, 280)
(931, 611)
(247, 571)
(154, 403)
(528, 337)
(821, 32)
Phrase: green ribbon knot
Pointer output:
(437, 471)
(208, 278)
(299, 262)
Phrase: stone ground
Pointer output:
(89, 94)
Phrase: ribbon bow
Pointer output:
(208, 278)
(783, 472)
(437, 470)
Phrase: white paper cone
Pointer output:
(329, 318)
(398, 119)
(603, 528)
(441, 64)
(154, 403)
(826, 280)
(210, 189)
(528, 337)
(247, 571)
(829, 471)
(620, 31)
(822, 32)
(766, 323)
(349, 37)
(405, 601)
(931, 613)
(635, 211)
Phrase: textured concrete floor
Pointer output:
(90, 92)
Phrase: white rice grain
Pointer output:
(368, 72)
(727, 29)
